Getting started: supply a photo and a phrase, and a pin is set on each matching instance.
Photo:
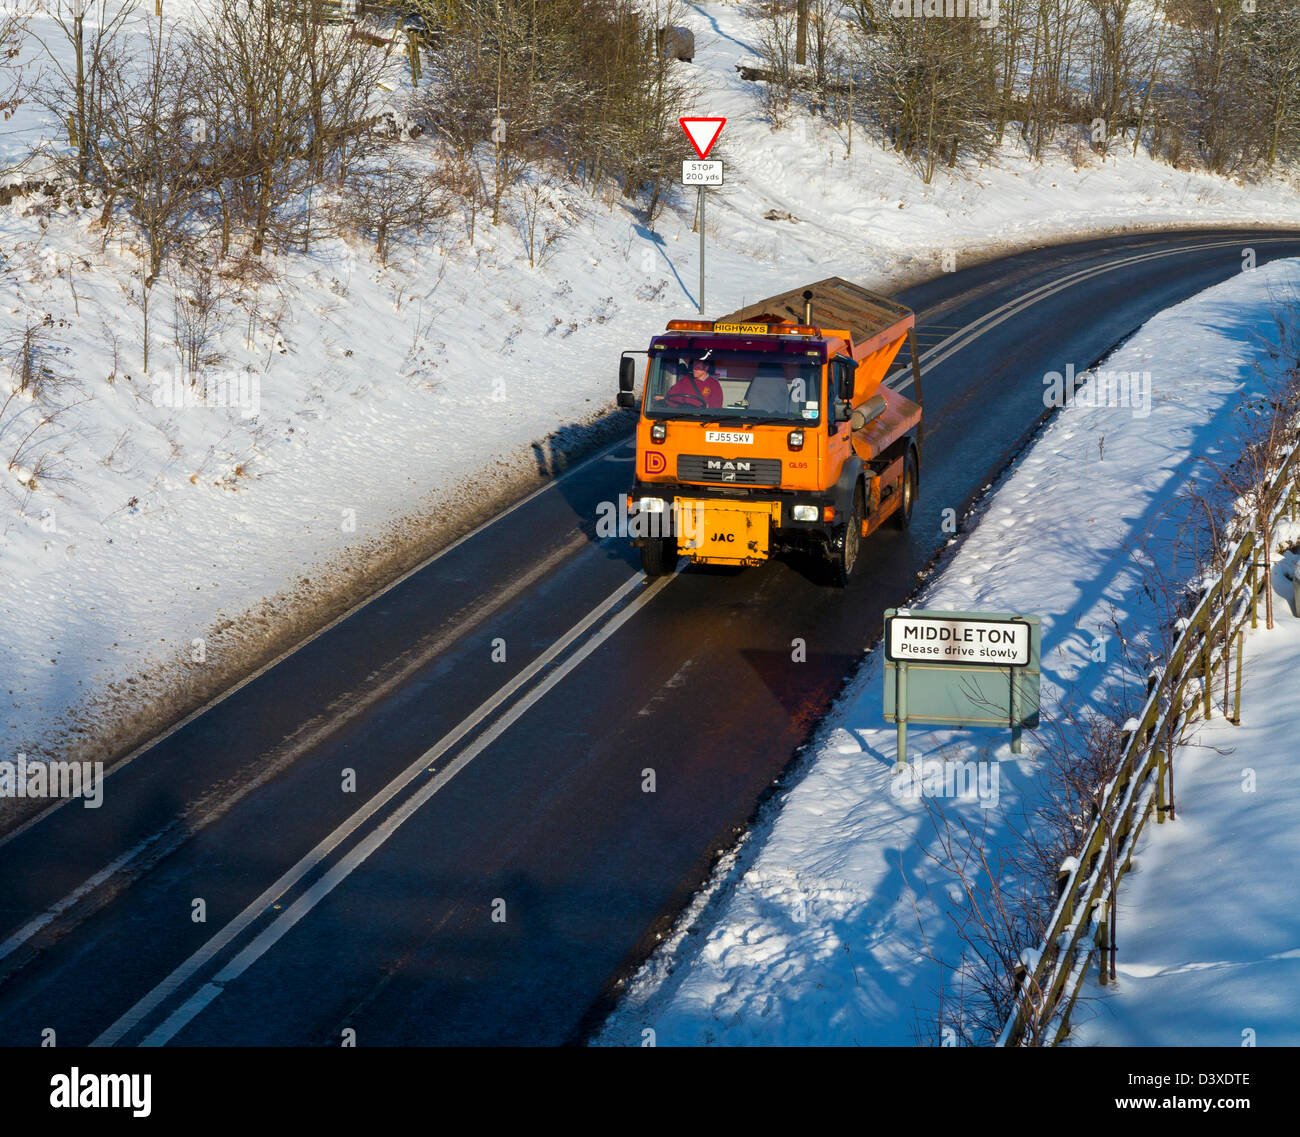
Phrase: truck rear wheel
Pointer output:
(845, 559)
(659, 556)
(903, 514)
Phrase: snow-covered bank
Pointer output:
(832, 921)
(1209, 924)
(388, 400)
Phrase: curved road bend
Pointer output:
(480, 780)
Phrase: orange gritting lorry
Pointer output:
(772, 429)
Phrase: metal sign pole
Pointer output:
(1015, 711)
(900, 712)
(701, 250)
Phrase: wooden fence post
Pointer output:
(1254, 591)
(1236, 703)
(1227, 601)
(1101, 939)
(1170, 742)
(1206, 632)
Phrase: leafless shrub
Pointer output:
(776, 47)
(577, 83)
(29, 358)
(929, 84)
(999, 918)
(285, 101)
(31, 401)
(391, 198)
(198, 299)
(146, 148)
(463, 180)
(537, 220)
(13, 76)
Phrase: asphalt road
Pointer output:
(431, 824)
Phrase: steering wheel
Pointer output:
(686, 399)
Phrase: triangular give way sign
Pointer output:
(703, 132)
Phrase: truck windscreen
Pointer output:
(753, 386)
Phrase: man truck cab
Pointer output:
(760, 432)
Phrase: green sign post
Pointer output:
(961, 669)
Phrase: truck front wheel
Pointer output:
(845, 559)
(659, 556)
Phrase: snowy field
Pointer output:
(386, 405)
(831, 923)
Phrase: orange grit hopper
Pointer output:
(773, 428)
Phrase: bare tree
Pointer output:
(576, 82)
(928, 83)
(638, 100)
(73, 92)
(1273, 47)
(1119, 49)
(1215, 110)
(284, 95)
(146, 147)
(777, 46)
(343, 77)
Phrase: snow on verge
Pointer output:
(1209, 925)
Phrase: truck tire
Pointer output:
(903, 514)
(659, 556)
(845, 559)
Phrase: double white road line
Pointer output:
(901, 378)
(321, 888)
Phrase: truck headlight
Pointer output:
(807, 513)
(658, 432)
(651, 505)
(795, 440)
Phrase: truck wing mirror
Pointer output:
(626, 375)
(627, 400)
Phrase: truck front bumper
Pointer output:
(727, 529)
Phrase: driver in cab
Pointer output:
(697, 387)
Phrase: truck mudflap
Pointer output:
(843, 490)
(712, 532)
(883, 496)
